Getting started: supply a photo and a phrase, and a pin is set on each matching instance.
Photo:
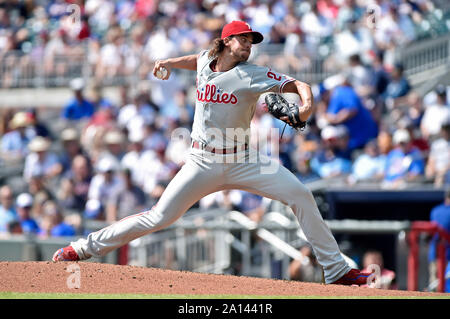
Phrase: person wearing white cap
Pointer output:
(77, 107)
(135, 158)
(404, 163)
(40, 160)
(24, 204)
(334, 159)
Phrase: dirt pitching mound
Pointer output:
(98, 278)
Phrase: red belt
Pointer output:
(210, 149)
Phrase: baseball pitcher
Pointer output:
(228, 88)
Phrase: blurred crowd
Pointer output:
(101, 159)
(112, 39)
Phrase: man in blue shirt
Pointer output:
(24, 203)
(399, 85)
(78, 107)
(56, 227)
(345, 107)
(405, 162)
(440, 215)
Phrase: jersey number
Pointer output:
(272, 75)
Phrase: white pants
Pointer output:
(205, 173)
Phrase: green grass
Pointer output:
(33, 295)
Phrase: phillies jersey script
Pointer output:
(228, 99)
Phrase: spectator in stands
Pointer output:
(14, 144)
(355, 38)
(156, 192)
(441, 216)
(397, 88)
(114, 145)
(302, 164)
(346, 108)
(60, 45)
(98, 99)
(39, 189)
(134, 53)
(181, 110)
(53, 224)
(384, 142)
(381, 76)
(41, 160)
(104, 117)
(307, 269)
(14, 228)
(154, 137)
(362, 77)
(331, 161)
(38, 126)
(24, 204)
(135, 115)
(315, 26)
(373, 259)
(133, 159)
(404, 163)
(416, 137)
(111, 55)
(7, 210)
(106, 182)
(126, 201)
(78, 107)
(436, 114)
(94, 210)
(369, 166)
(71, 147)
(6, 115)
(415, 110)
(438, 163)
(157, 169)
(227, 199)
(252, 205)
(74, 187)
(160, 45)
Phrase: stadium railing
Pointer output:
(426, 60)
(417, 228)
(422, 60)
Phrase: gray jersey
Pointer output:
(228, 99)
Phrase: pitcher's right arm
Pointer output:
(187, 62)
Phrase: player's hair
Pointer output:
(217, 47)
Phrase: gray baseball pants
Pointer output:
(205, 173)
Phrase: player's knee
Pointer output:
(162, 219)
(303, 194)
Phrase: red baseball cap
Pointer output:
(240, 27)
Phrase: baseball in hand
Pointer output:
(161, 73)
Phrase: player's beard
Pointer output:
(244, 55)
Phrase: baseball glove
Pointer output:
(279, 107)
